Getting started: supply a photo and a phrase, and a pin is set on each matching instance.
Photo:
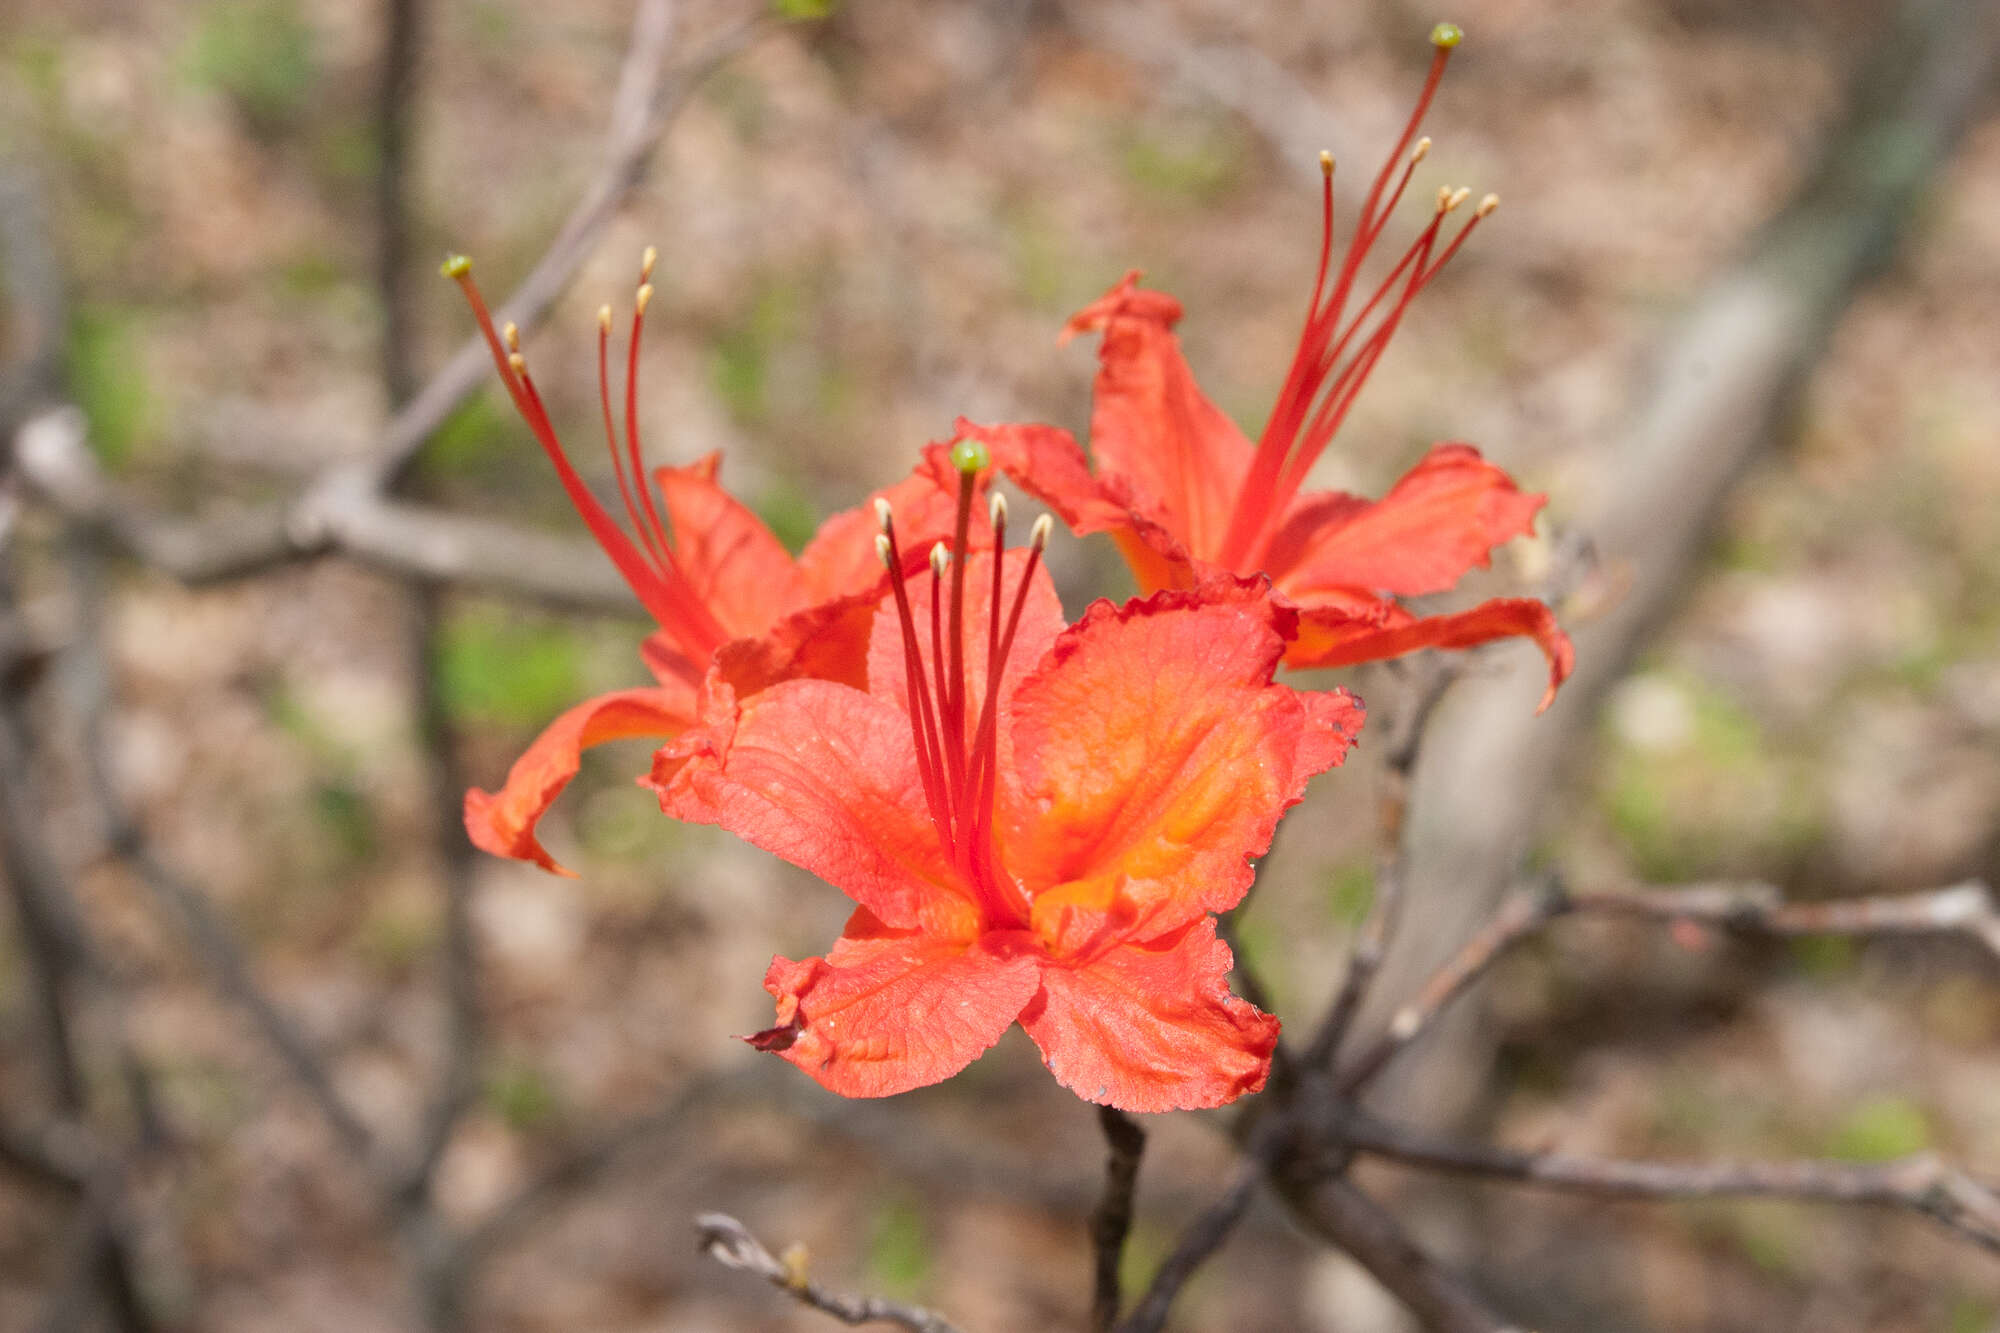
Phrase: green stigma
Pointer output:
(455, 266)
(1447, 35)
(970, 456)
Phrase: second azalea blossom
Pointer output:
(721, 587)
(1036, 822)
(1187, 496)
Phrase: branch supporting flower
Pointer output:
(1111, 1223)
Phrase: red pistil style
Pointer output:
(724, 591)
(1036, 823)
(1188, 497)
(955, 765)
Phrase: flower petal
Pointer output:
(1442, 518)
(503, 822)
(736, 567)
(1152, 1027)
(828, 641)
(826, 777)
(1152, 430)
(886, 1011)
(1331, 636)
(1047, 463)
(1152, 758)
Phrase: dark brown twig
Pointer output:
(1111, 1223)
(1922, 1184)
(214, 945)
(1337, 1211)
(347, 509)
(1371, 945)
(1965, 910)
(729, 1243)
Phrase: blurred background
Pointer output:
(237, 723)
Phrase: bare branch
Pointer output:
(729, 1243)
(647, 97)
(215, 946)
(1921, 1184)
(1338, 1212)
(345, 510)
(1751, 909)
(1111, 1223)
(1405, 745)
(392, 535)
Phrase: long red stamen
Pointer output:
(1328, 369)
(925, 722)
(986, 748)
(611, 436)
(660, 588)
(642, 298)
(951, 736)
(956, 746)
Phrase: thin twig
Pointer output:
(1922, 1183)
(347, 509)
(1339, 1212)
(1111, 1223)
(215, 946)
(1270, 1138)
(1965, 910)
(729, 1243)
(1371, 945)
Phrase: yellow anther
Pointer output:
(644, 295)
(1458, 196)
(940, 559)
(646, 262)
(512, 333)
(1444, 199)
(882, 514)
(604, 318)
(882, 549)
(1325, 162)
(1486, 205)
(997, 510)
(1038, 536)
(1421, 151)
(518, 362)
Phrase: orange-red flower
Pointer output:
(1035, 822)
(721, 587)
(1187, 496)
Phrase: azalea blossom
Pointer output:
(1036, 823)
(722, 589)
(1187, 496)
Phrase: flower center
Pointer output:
(1337, 353)
(649, 566)
(956, 736)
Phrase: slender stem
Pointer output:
(729, 1243)
(1920, 1184)
(1111, 1223)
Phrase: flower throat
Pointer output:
(956, 743)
